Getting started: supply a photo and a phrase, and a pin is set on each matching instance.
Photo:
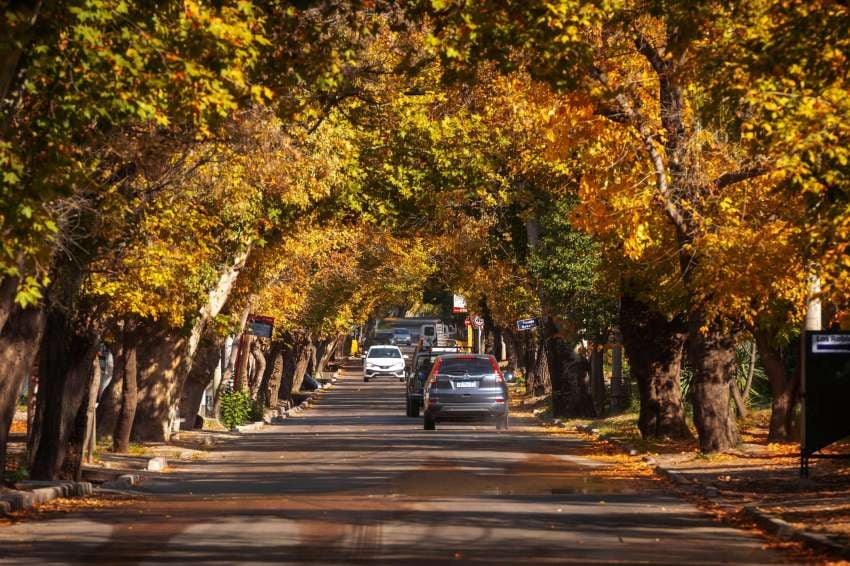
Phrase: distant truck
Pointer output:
(433, 331)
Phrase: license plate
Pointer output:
(465, 384)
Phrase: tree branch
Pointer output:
(628, 114)
(732, 177)
(651, 53)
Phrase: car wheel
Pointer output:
(409, 407)
(430, 424)
(414, 407)
(366, 379)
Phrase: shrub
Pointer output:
(236, 408)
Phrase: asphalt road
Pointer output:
(352, 480)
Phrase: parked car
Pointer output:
(420, 368)
(466, 387)
(384, 361)
(401, 336)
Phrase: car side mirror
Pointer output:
(509, 376)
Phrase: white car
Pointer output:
(383, 361)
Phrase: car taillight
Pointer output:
(499, 377)
(500, 400)
(436, 367)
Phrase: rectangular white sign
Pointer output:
(831, 344)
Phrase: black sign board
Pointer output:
(261, 326)
(826, 390)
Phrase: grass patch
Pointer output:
(624, 428)
(134, 449)
(16, 470)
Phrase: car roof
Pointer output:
(384, 346)
(442, 352)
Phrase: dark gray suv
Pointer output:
(466, 387)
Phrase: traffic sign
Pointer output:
(478, 321)
(526, 324)
(261, 326)
(467, 322)
(458, 304)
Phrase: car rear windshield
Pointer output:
(402, 331)
(425, 363)
(384, 353)
(470, 365)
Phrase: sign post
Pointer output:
(825, 389)
(478, 323)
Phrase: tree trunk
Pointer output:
(65, 368)
(241, 380)
(311, 359)
(712, 356)
(740, 404)
(540, 382)
(203, 370)
(578, 369)
(781, 387)
(533, 374)
(597, 378)
(160, 354)
(324, 353)
(19, 342)
(129, 396)
(303, 361)
(619, 391)
(274, 375)
(8, 290)
(110, 401)
(166, 360)
(228, 372)
(259, 370)
(90, 430)
(559, 356)
(512, 351)
(654, 346)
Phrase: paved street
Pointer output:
(352, 480)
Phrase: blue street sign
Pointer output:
(526, 324)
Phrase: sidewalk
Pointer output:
(756, 485)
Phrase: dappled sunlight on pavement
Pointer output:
(354, 480)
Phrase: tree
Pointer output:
(643, 70)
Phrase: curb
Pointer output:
(42, 492)
(250, 427)
(124, 481)
(282, 415)
(675, 477)
(786, 531)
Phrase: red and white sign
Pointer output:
(458, 304)
(467, 322)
